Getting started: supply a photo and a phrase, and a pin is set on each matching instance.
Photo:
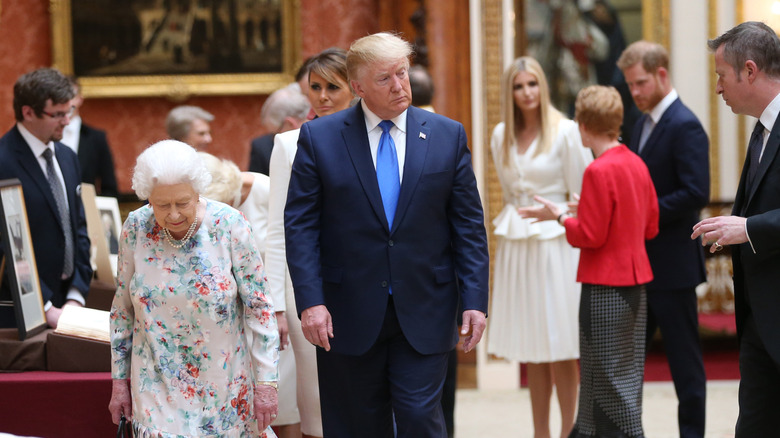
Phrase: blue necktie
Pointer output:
(387, 174)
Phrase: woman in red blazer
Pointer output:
(617, 212)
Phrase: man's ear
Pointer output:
(28, 113)
(751, 70)
(357, 88)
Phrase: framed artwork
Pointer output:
(99, 255)
(176, 48)
(112, 225)
(18, 260)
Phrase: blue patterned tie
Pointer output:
(387, 174)
(62, 209)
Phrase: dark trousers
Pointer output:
(675, 313)
(759, 386)
(362, 396)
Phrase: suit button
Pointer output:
(384, 284)
(391, 243)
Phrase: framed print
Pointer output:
(112, 225)
(176, 48)
(19, 260)
(99, 255)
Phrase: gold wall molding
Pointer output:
(655, 22)
(712, 32)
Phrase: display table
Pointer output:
(51, 404)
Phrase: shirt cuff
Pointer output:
(748, 238)
(47, 306)
(75, 295)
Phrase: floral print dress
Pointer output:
(178, 325)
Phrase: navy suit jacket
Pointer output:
(757, 274)
(97, 164)
(342, 254)
(17, 161)
(677, 155)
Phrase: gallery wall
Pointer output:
(132, 124)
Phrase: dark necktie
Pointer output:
(387, 174)
(754, 152)
(62, 207)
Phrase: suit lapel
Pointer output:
(417, 139)
(766, 159)
(29, 163)
(356, 140)
(658, 130)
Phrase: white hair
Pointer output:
(169, 162)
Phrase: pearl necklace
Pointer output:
(183, 241)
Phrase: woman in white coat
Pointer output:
(328, 92)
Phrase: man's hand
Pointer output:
(120, 400)
(720, 231)
(281, 323)
(266, 405)
(473, 327)
(317, 326)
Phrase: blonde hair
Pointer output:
(600, 110)
(169, 162)
(371, 49)
(549, 116)
(225, 180)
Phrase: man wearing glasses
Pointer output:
(50, 175)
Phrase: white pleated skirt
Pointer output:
(535, 301)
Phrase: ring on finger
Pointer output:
(273, 415)
(718, 246)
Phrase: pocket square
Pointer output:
(422, 135)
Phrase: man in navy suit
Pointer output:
(674, 146)
(42, 108)
(747, 62)
(385, 231)
(91, 145)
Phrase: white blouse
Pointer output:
(554, 176)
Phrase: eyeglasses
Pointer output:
(61, 114)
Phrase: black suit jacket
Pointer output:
(17, 161)
(260, 155)
(97, 164)
(757, 274)
(677, 155)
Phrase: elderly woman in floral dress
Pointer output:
(191, 282)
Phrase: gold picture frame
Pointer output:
(178, 86)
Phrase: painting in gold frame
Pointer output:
(176, 48)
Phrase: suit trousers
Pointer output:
(759, 386)
(390, 386)
(675, 313)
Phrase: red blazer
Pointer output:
(618, 211)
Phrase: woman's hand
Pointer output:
(546, 212)
(121, 402)
(573, 204)
(281, 324)
(266, 405)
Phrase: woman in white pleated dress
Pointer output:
(535, 300)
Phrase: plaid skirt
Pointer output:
(613, 322)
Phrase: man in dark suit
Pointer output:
(747, 62)
(91, 145)
(284, 110)
(385, 231)
(50, 176)
(675, 148)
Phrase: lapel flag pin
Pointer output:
(422, 136)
